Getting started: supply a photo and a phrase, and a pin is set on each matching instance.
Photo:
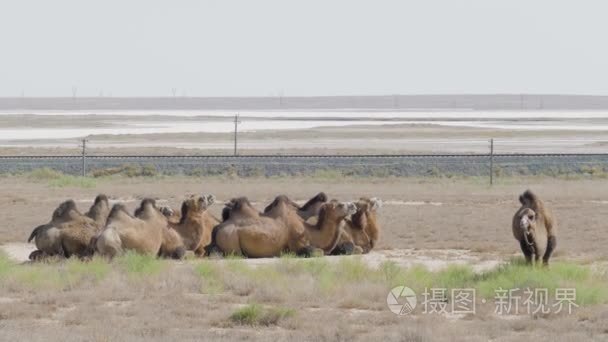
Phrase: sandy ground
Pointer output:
(417, 213)
(431, 222)
(434, 260)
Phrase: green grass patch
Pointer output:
(332, 277)
(590, 288)
(52, 274)
(254, 314)
(6, 265)
(95, 270)
(211, 277)
(44, 174)
(73, 181)
(57, 179)
(140, 264)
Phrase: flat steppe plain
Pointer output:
(433, 222)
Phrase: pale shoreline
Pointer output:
(371, 132)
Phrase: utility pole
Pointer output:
(236, 123)
(74, 91)
(84, 157)
(491, 162)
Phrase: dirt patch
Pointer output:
(18, 251)
(432, 259)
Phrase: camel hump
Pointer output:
(528, 198)
(117, 209)
(148, 201)
(321, 197)
(100, 198)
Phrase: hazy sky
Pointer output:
(306, 47)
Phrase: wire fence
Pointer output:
(447, 165)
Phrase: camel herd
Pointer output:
(320, 226)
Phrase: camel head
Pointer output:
(337, 210)
(167, 211)
(65, 210)
(527, 223)
(195, 205)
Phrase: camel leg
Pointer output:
(527, 249)
(346, 248)
(551, 244)
(306, 252)
(37, 255)
(200, 251)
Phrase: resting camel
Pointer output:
(361, 231)
(146, 233)
(195, 223)
(526, 220)
(69, 232)
(246, 232)
(321, 236)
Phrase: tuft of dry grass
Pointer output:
(254, 314)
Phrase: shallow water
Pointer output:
(180, 121)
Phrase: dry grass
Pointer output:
(287, 299)
(136, 298)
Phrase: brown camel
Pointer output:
(146, 233)
(361, 231)
(326, 240)
(526, 221)
(195, 223)
(366, 218)
(246, 232)
(68, 233)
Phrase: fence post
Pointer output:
(491, 162)
(84, 157)
(236, 122)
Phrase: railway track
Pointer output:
(337, 156)
(331, 165)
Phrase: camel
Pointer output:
(361, 231)
(365, 218)
(526, 220)
(146, 233)
(280, 229)
(68, 233)
(195, 223)
(317, 232)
